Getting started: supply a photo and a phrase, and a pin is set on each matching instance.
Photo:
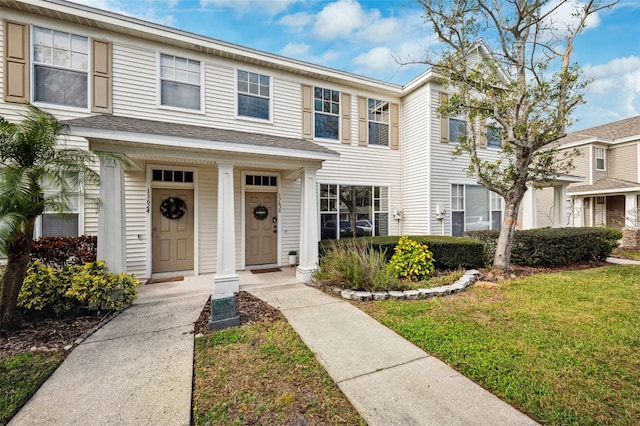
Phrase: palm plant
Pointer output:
(37, 173)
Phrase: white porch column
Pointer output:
(309, 221)
(226, 279)
(578, 212)
(559, 206)
(111, 216)
(632, 220)
(529, 209)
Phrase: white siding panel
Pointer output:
(622, 163)
(207, 218)
(289, 217)
(415, 143)
(544, 207)
(136, 222)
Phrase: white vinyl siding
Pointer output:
(207, 218)
(135, 190)
(289, 217)
(623, 162)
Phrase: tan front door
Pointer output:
(172, 246)
(261, 234)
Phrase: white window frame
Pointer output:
(387, 123)
(316, 112)
(601, 155)
(338, 212)
(495, 203)
(237, 93)
(457, 118)
(37, 232)
(34, 63)
(159, 83)
(494, 127)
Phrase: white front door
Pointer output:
(261, 230)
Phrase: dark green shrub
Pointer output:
(64, 291)
(554, 246)
(449, 253)
(352, 264)
(411, 260)
(64, 251)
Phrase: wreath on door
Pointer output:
(260, 212)
(173, 208)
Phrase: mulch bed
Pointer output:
(250, 309)
(47, 334)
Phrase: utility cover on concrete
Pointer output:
(223, 311)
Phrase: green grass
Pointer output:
(627, 254)
(564, 348)
(21, 376)
(264, 374)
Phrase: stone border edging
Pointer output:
(465, 281)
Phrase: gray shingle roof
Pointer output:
(616, 130)
(161, 128)
(604, 184)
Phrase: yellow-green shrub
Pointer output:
(63, 291)
(43, 291)
(412, 260)
(92, 284)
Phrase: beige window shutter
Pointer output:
(16, 62)
(444, 120)
(307, 112)
(395, 126)
(362, 121)
(482, 137)
(345, 108)
(102, 76)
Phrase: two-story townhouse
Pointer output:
(608, 158)
(234, 156)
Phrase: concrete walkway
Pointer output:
(388, 380)
(137, 369)
(620, 261)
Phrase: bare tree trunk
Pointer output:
(502, 257)
(18, 252)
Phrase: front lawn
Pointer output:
(20, 377)
(563, 348)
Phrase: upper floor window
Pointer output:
(457, 128)
(180, 81)
(378, 122)
(60, 68)
(327, 113)
(254, 94)
(494, 137)
(600, 159)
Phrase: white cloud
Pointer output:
(297, 21)
(272, 7)
(144, 10)
(566, 16)
(614, 94)
(341, 19)
(378, 58)
(296, 50)
(330, 55)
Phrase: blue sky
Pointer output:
(364, 37)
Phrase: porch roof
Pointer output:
(167, 134)
(604, 186)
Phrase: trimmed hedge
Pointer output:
(449, 253)
(554, 246)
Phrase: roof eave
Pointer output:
(210, 145)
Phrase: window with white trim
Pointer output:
(494, 136)
(326, 104)
(254, 95)
(65, 223)
(600, 159)
(180, 82)
(353, 211)
(474, 208)
(60, 68)
(457, 128)
(378, 117)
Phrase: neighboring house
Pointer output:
(236, 156)
(609, 158)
